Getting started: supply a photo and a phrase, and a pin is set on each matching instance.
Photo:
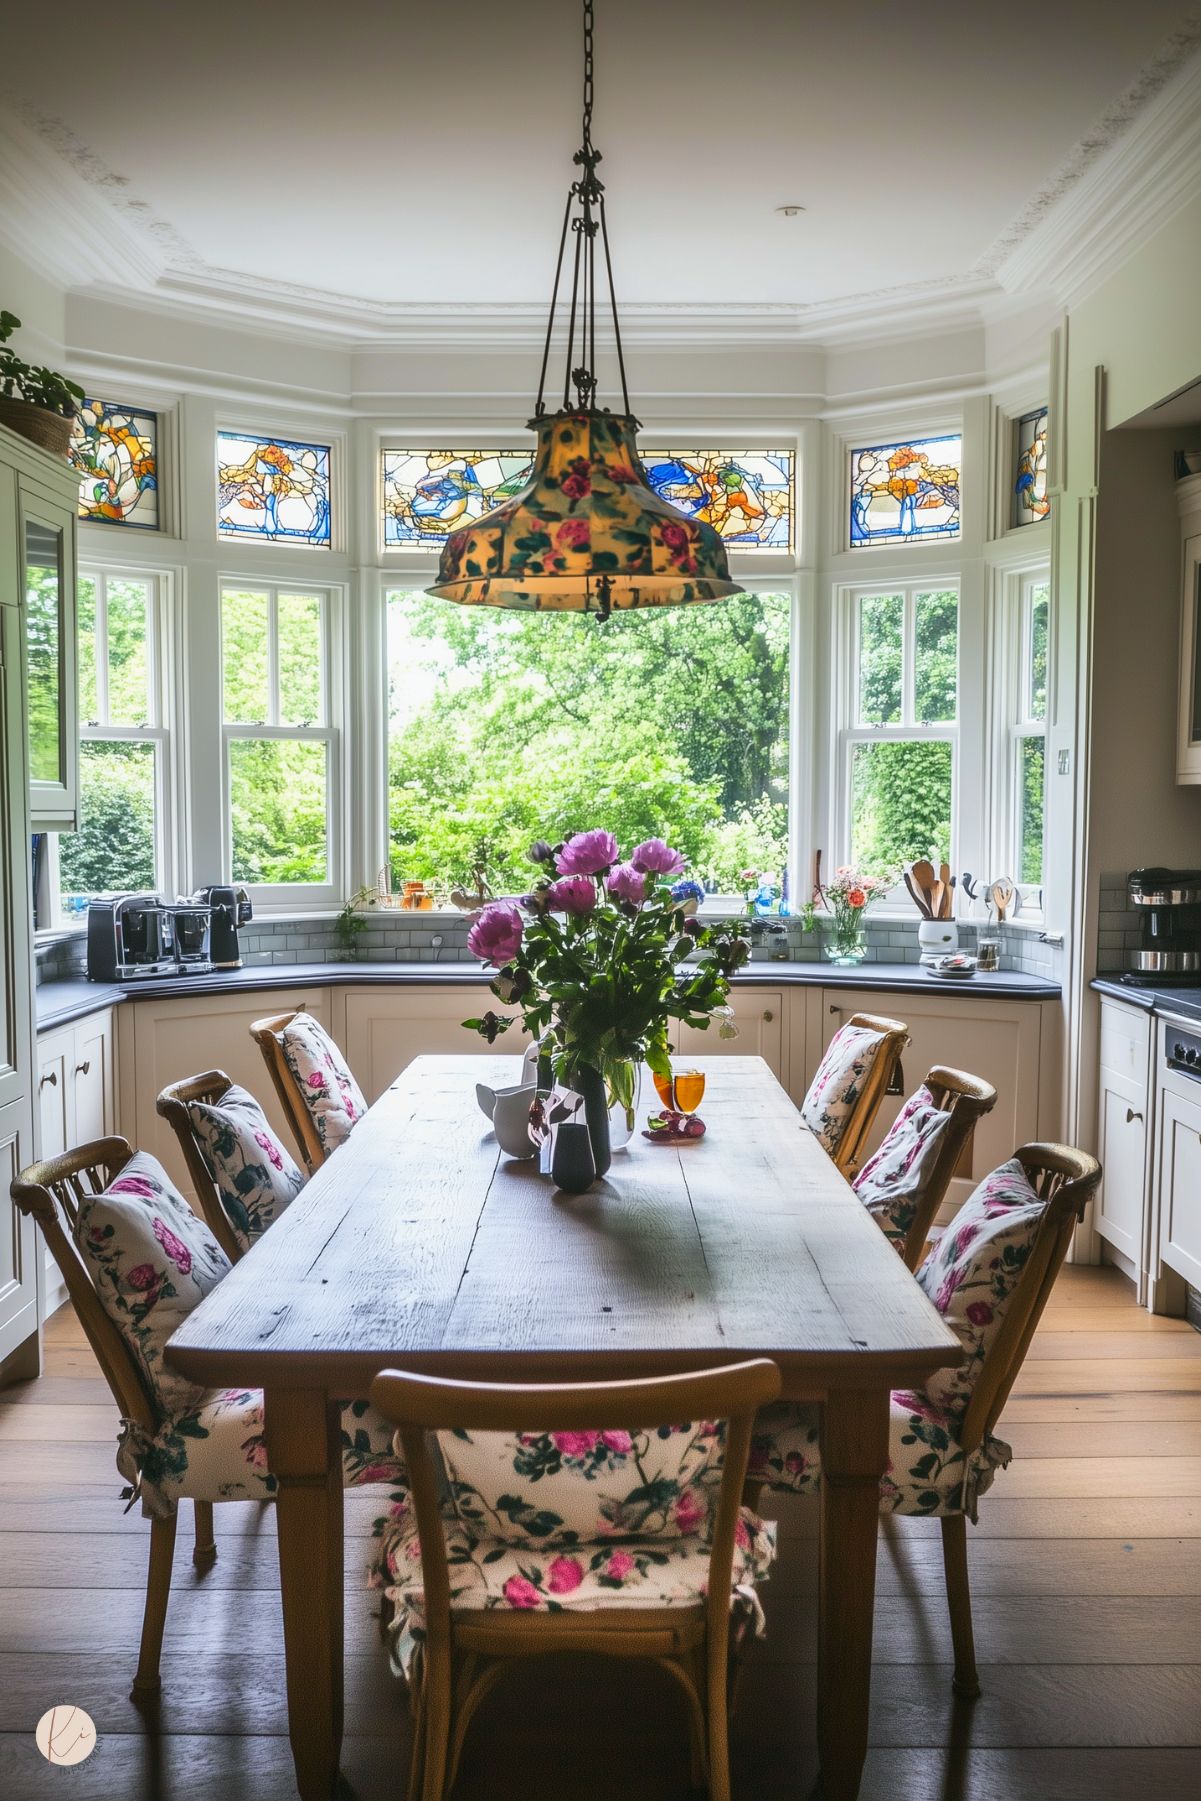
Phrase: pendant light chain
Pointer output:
(589, 193)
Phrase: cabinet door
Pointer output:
(998, 1040)
(92, 1078)
(1121, 1215)
(758, 1017)
(1180, 1183)
(16, 917)
(1188, 730)
(48, 556)
(19, 1245)
(387, 1027)
(55, 1057)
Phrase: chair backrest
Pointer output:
(268, 1035)
(420, 1405)
(172, 1105)
(52, 1192)
(1066, 1179)
(966, 1098)
(876, 1084)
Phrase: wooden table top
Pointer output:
(420, 1246)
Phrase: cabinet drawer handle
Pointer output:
(1131, 1116)
(50, 1076)
(833, 1007)
(768, 1014)
(84, 1068)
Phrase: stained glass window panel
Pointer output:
(272, 489)
(115, 450)
(745, 494)
(1030, 502)
(906, 493)
(430, 493)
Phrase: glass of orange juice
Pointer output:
(682, 1091)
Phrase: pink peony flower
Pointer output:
(574, 894)
(588, 853)
(575, 1444)
(266, 1143)
(980, 1313)
(317, 1080)
(689, 1511)
(627, 883)
(143, 1277)
(520, 1593)
(178, 1252)
(656, 858)
(133, 1185)
(619, 1566)
(564, 1575)
(578, 481)
(620, 1443)
(573, 534)
(496, 934)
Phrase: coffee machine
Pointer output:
(130, 937)
(1168, 902)
(230, 909)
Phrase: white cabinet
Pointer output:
(1122, 1214)
(758, 1017)
(75, 1103)
(1179, 1212)
(387, 1027)
(164, 1041)
(999, 1040)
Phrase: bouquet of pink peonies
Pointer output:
(592, 957)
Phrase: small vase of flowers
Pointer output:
(844, 901)
(592, 957)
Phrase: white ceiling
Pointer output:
(419, 155)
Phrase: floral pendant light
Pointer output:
(587, 533)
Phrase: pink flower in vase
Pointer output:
(574, 894)
(588, 853)
(496, 934)
(654, 857)
(627, 884)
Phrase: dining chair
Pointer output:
(321, 1100)
(242, 1175)
(989, 1276)
(905, 1180)
(490, 1577)
(177, 1441)
(861, 1064)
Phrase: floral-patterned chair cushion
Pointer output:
(893, 1181)
(256, 1176)
(152, 1260)
(542, 1489)
(836, 1087)
(217, 1451)
(331, 1094)
(928, 1471)
(974, 1269)
(487, 1572)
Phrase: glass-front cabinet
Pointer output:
(1188, 733)
(47, 528)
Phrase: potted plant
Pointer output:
(592, 959)
(35, 402)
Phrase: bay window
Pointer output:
(1028, 753)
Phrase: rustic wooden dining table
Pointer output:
(419, 1246)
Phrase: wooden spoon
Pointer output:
(944, 876)
(936, 899)
(916, 898)
(1003, 894)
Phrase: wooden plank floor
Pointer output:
(1086, 1568)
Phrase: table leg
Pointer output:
(854, 1457)
(304, 1453)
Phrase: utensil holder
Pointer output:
(937, 938)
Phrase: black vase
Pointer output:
(590, 1084)
(572, 1168)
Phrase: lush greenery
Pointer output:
(32, 382)
(113, 850)
(506, 725)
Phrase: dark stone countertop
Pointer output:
(1182, 1002)
(58, 1003)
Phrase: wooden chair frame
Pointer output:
(268, 1035)
(53, 1192)
(878, 1081)
(1067, 1180)
(966, 1098)
(172, 1105)
(466, 1652)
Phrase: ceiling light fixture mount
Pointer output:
(587, 533)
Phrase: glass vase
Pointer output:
(846, 941)
(624, 1085)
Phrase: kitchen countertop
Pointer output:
(58, 1003)
(1184, 1003)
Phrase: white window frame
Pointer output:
(850, 731)
(290, 897)
(1011, 645)
(156, 730)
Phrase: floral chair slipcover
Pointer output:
(152, 1261)
(838, 1084)
(334, 1099)
(574, 1521)
(893, 1181)
(970, 1278)
(256, 1176)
